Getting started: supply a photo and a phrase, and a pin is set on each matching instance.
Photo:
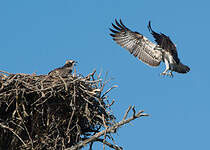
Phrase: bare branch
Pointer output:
(66, 87)
(109, 144)
(126, 113)
(109, 90)
(10, 129)
(5, 72)
(111, 129)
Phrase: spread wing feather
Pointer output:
(136, 44)
(165, 43)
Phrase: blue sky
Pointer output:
(37, 36)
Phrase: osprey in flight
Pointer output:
(65, 70)
(148, 52)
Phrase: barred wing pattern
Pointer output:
(136, 44)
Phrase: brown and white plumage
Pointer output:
(65, 70)
(146, 51)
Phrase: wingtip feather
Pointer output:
(123, 24)
(113, 35)
(113, 30)
(118, 24)
(117, 28)
(149, 26)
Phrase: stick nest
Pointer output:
(51, 112)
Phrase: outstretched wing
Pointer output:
(136, 44)
(165, 43)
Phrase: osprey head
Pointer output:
(70, 63)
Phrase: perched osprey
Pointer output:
(148, 52)
(65, 70)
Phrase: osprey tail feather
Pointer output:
(180, 68)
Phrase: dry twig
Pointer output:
(111, 129)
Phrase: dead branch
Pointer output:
(111, 129)
(109, 144)
(6, 127)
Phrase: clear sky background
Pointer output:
(38, 36)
